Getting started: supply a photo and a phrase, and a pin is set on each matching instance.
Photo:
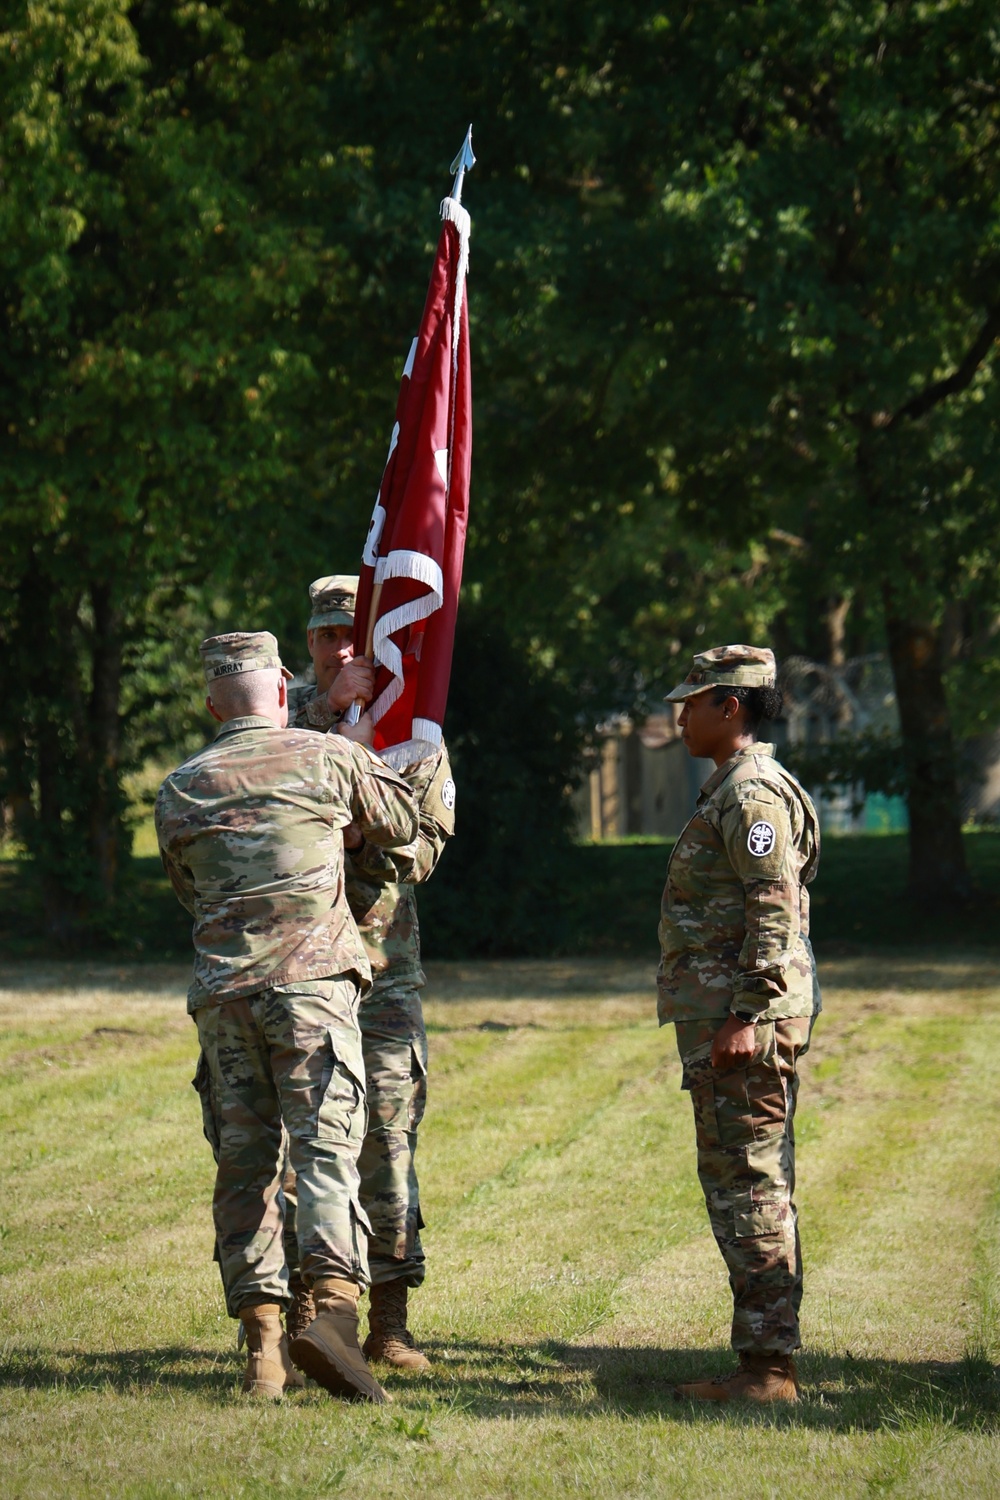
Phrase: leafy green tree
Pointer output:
(513, 730)
(740, 271)
(152, 379)
(733, 322)
(844, 190)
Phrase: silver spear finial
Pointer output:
(463, 162)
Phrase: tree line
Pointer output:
(734, 318)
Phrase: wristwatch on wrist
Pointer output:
(749, 1018)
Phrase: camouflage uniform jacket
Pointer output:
(734, 923)
(250, 834)
(380, 886)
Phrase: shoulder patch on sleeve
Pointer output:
(438, 795)
(762, 838)
(317, 713)
(757, 833)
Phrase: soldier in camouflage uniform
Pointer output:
(738, 980)
(251, 834)
(381, 897)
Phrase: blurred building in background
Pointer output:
(643, 783)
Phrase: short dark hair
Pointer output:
(760, 703)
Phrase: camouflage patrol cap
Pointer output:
(240, 651)
(726, 666)
(331, 600)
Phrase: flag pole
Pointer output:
(464, 162)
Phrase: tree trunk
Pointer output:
(59, 904)
(105, 833)
(938, 872)
(835, 619)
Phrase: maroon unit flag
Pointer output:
(412, 566)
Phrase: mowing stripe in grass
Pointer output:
(521, 1093)
(896, 1101)
(588, 1217)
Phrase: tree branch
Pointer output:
(959, 378)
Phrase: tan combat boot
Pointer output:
(760, 1377)
(329, 1350)
(269, 1370)
(389, 1339)
(303, 1308)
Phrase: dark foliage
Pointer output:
(513, 732)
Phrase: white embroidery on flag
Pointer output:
(422, 569)
(370, 554)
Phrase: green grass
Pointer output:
(610, 895)
(572, 1278)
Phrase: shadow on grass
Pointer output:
(839, 1394)
(125, 1371)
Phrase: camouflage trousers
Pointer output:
(746, 1164)
(281, 1073)
(394, 1045)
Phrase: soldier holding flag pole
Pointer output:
(403, 611)
(394, 1040)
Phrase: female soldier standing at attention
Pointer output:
(738, 980)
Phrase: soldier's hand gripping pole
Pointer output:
(357, 708)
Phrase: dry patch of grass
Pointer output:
(572, 1277)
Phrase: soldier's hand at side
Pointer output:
(734, 1045)
(354, 683)
(363, 731)
(353, 837)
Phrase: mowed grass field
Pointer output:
(572, 1278)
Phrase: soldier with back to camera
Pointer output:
(394, 1040)
(251, 834)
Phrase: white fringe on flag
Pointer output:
(427, 740)
(402, 563)
(455, 214)
(427, 731)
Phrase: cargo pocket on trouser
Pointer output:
(761, 1254)
(698, 1079)
(202, 1084)
(342, 1116)
(752, 1219)
(418, 1078)
(361, 1233)
(758, 1244)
